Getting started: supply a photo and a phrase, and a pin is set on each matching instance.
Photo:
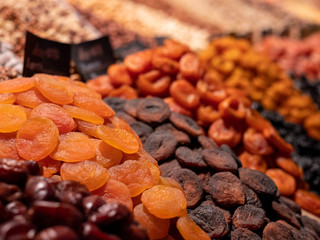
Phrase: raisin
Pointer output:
(153, 111)
(219, 160)
(249, 216)
(258, 182)
(189, 158)
(161, 145)
(243, 234)
(143, 130)
(191, 185)
(276, 231)
(210, 219)
(285, 213)
(185, 124)
(168, 168)
(234, 194)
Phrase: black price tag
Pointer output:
(130, 48)
(45, 56)
(92, 58)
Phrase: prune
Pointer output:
(185, 124)
(39, 188)
(46, 214)
(290, 204)
(249, 216)
(251, 197)
(161, 145)
(169, 167)
(181, 137)
(219, 182)
(276, 231)
(15, 208)
(259, 182)
(57, 233)
(206, 142)
(90, 231)
(142, 130)
(91, 204)
(210, 219)
(9, 192)
(13, 171)
(189, 158)
(285, 213)
(131, 106)
(191, 185)
(111, 216)
(153, 111)
(117, 104)
(219, 160)
(17, 228)
(243, 234)
(71, 192)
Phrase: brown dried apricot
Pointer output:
(274, 138)
(7, 98)
(37, 138)
(175, 107)
(16, 85)
(30, 98)
(289, 166)
(190, 230)
(158, 199)
(156, 227)
(83, 114)
(50, 166)
(89, 173)
(11, 117)
(56, 114)
(74, 147)
(249, 216)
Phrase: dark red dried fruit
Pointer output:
(185, 124)
(276, 231)
(9, 193)
(219, 160)
(226, 189)
(191, 185)
(17, 228)
(91, 204)
(258, 182)
(126, 117)
(249, 216)
(39, 188)
(90, 231)
(161, 145)
(311, 223)
(285, 213)
(189, 158)
(13, 171)
(57, 233)
(243, 234)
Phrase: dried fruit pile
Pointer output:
(35, 207)
(175, 73)
(225, 199)
(74, 135)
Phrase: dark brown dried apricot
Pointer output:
(189, 158)
(285, 213)
(276, 231)
(169, 167)
(251, 197)
(185, 124)
(142, 130)
(219, 160)
(249, 216)
(244, 233)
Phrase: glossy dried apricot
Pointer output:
(253, 161)
(172, 49)
(156, 227)
(190, 66)
(190, 230)
(308, 201)
(175, 107)
(115, 191)
(118, 138)
(7, 98)
(11, 117)
(166, 181)
(138, 62)
(83, 114)
(136, 174)
(100, 84)
(87, 128)
(255, 143)
(153, 83)
(16, 85)
(37, 138)
(56, 114)
(165, 64)
(53, 88)
(89, 173)
(289, 166)
(284, 181)
(8, 147)
(206, 115)
(125, 91)
(119, 75)
(158, 199)
(276, 140)
(106, 155)
(49, 166)
(94, 104)
(30, 98)
(74, 147)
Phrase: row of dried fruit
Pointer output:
(74, 135)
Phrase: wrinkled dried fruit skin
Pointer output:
(249, 216)
(244, 233)
(219, 160)
(189, 230)
(226, 180)
(169, 167)
(59, 232)
(11, 118)
(251, 197)
(189, 158)
(185, 124)
(276, 231)
(286, 214)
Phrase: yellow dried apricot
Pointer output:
(11, 117)
(87, 128)
(16, 85)
(190, 230)
(7, 98)
(30, 98)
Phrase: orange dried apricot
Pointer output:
(175, 107)
(119, 75)
(118, 138)
(115, 191)
(89, 173)
(253, 161)
(106, 155)
(7, 98)
(190, 66)
(100, 84)
(170, 182)
(11, 117)
(156, 227)
(234, 107)
(289, 166)
(8, 147)
(30, 98)
(135, 174)
(274, 138)
(158, 199)
(87, 128)
(172, 49)
(255, 143)
(49, 166)
(206, 115)
(125, 91)
(308, 201)
(53, 89)
(165, 64)
(138, 62)
(74, 147)
(83, 114)
(153, 83)
(284, 181)
(57, 114)
(190, 230)
(16, 85)
(37, 138)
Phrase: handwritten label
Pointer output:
(45, 56)
(92, 58)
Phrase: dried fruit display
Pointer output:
(223, 112)
(223, 198)
(75, 136)
(36, 207)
